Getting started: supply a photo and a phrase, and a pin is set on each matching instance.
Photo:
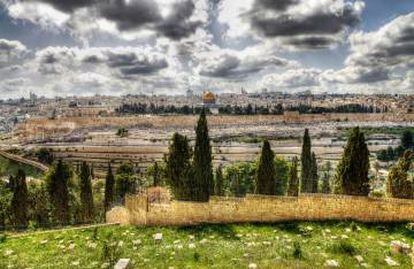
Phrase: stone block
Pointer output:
(123, 264)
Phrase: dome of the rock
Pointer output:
(209, 98)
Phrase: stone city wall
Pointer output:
(259, 208)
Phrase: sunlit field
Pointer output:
(293, 245)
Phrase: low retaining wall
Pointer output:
(259, 208)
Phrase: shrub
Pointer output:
(94, 233)
(3, 238)
(122, 132)
(305, 231)
(110, 252)
(344, 247)
(377, 194)
(196, 256)
(297, 250)
(45, 156)
(399, 185)
(354, 226)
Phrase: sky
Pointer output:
(118, 47)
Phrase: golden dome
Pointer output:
(209, 97)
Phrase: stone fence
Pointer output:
(259, 208)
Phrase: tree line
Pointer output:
(249, 109)
(65, 196)
(393, 154)
(143, 108)
(270, 175)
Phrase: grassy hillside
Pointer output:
(297, 245)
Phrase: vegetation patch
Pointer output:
(209, 246)
(9, 167)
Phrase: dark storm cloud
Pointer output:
(55, 55)
(400, 50)
(137, 14)
(143, 68)
(176, 25)
(392, 45)
(92, 59)
(285, 25)
(223, 67)
(53, 60)
(313, 42)
(358, 74)
(49, 59)
(11, 52)
(279, 5)
(373, 75)
(133, 64)
(403, 44)
(130, 15)
(232, 67)
(145, 13)
(317, 29)
(407, 35)
(66, 5)
(127, 61)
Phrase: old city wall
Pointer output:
(33, 126)
(255, 208)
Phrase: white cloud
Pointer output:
(294, 78)
(11, 52)
(356, 74)
(39, 13)
(292, 24)
(392, 45)
(220, 45)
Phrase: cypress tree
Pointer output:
(19, 203)
(219, 184)
(398, 185)
(202, 162)
(352, 171)
(126, 181)
(92, 172)
(266, 174)
(6, 195)
(326, 178)
(57, 186)
(326, 187)
(86, 196)
(306, 164)
(77, 168)
(315, 179)
(281, 175)
(178, 168)
(109, 189)
(39, 206)
(293, 189)
(407, 140)
(156, 175)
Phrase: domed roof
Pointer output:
(208, 97)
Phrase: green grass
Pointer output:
(9, 167)
(294, 245)
(252, 139)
